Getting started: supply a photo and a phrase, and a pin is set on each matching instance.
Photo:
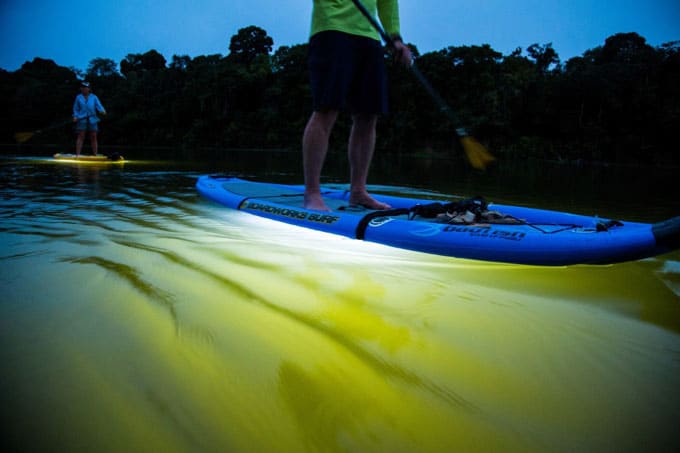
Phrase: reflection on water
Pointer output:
(137, 315)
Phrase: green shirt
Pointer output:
(343, 15)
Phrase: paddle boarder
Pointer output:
(85, 109)
(347, 72)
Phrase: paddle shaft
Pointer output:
(389, 41)
(22, 137)
(54, 126)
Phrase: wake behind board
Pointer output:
(99, 158)
(515, 234)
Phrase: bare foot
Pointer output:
(315, 203)
(367, 201)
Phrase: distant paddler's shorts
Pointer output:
(347, 72)
(86, 125)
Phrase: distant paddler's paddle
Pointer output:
(476, 154)
(23, 137)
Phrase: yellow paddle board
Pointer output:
(99, 158)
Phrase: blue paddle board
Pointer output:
(510, 234)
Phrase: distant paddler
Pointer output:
(85, 109)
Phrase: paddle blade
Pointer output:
(23, 137)
(478, 157)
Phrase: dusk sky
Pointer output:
(73, 33)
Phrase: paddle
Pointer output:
(23, 137)
(476, 154)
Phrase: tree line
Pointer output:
(618, 102)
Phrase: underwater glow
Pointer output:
(137, 315)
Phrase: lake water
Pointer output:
(138, 316)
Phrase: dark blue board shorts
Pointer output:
(347, 72)
(86, 125)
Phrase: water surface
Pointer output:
(136, 315)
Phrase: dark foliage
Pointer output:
(619, 102)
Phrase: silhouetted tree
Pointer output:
(101, 67)
(248, 43)
(544, 56)
(149, 61)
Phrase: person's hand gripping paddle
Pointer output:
(476, 154)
